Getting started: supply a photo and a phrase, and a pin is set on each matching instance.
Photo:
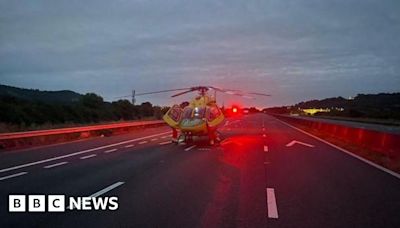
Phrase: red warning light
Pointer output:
(234, 110)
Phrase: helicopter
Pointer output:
(199, 117)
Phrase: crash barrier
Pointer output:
(382, 142)
(43, 137)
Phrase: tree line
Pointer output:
(89, 108)
(378, 106)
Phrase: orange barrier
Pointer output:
(41, 137)
(382, 142)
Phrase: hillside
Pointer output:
(50, 97)
(28, 109)
(380, 106)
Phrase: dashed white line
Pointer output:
(155, 139)
(109, 151)
(165, 143)
(101, 192)
(143, 142)
(164, 137)
(129, 146)
(271, 203)
(265, 148)
(190, 147)
(88, 156)
(13, 175)
(109, 188)
(79, 152)
(264, 135)
(54, 165)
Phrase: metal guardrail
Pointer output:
(31, 138)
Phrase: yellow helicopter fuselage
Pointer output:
(201, 116)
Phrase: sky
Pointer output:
(295, 50)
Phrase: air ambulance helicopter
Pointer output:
(199, 117)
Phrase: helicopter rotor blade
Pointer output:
(184, 92)
(161, 91)
(260, 94)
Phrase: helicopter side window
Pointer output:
(175, 113)
(213, 113)
(187, 113)
(199, 113)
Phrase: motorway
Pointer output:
(265, 173)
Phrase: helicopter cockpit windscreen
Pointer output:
(199, 112)
(187, 113)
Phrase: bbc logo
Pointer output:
(36, 203)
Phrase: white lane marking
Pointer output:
(143, 142)
(101, 192)
(167, 136)
(271, 203)
(190, 147)
(298, 142)
(263, 129)
(165, 143)
(109, 188)
(109, 151)
(13, 175)
(88, 156)
(129, 146)
(345, 151)
(264, 135)
(54, 165)
(265, 148)
(78, 153)
(226, 123)
(204, 149)
(155, 139)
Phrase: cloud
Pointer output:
(295, 50)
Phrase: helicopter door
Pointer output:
(214, 117)
(173, 116)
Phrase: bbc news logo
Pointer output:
(57, 203)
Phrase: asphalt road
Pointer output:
(257, 177)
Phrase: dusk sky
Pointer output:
(295, 50)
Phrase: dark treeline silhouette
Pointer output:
(379, 106)
(41, 108)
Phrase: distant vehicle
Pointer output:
(201, 116)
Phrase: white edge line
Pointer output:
(88, 156)
(54, 165)
(143, 142)
(165, 143)
(13, 175)
(77, 153)
(190, 147)
(345, 151)
(128, 146)
(265, 148)
(271, 203)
